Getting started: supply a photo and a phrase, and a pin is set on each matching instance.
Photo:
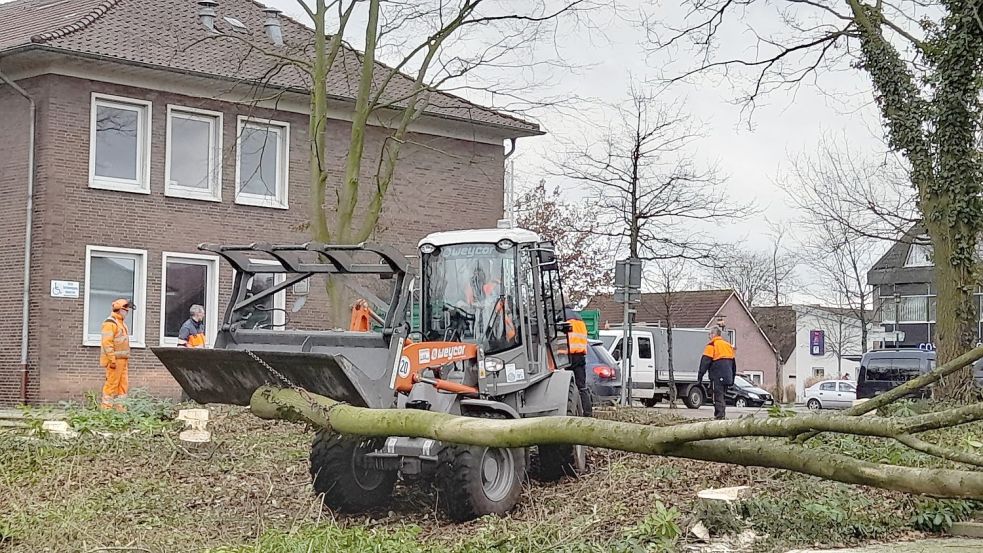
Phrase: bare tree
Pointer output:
(758, 276)
(925, 64)
(586, 262)
(651, 196)
(839, 237)
(668, 277)
(843, 333)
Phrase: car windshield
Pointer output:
(741, 383)
(608, 341)
(470, 295)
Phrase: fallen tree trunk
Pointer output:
(718, 441)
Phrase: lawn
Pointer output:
(139, 489)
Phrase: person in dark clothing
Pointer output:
(577, 346)
(718, 359)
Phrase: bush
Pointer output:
(937, 515)
(789, 396)
(813, 380)
(143, 412)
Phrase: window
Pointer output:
(919, 255)
(888, 310)
(119, 144)
(188, 279)
(194, 154)
(645, 348)
(913, 309)
(847, 387)
(828, 386)
(896, 371)
(262, 154)
(755, 377)
(818, 372)
(932, 305)
(112, 273)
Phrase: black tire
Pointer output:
(650, 401)
(694, 397)
(474, 481)
(553, 462)
(814, 404)
(344, 485)
(740, 402)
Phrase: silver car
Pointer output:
(831, 394)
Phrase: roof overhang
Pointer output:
(33, 60)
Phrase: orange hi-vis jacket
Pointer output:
(577, 337)
(718, 358)
(115, 340)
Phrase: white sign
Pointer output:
(64, 289)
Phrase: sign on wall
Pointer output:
(817, 342)
(64, 289)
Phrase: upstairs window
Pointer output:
(119, 144)
(919, 254)
(194, 154)
(262, 154)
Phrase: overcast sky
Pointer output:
(751, 156)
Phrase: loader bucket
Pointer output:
(231, 376)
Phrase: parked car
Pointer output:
(831, 394)
(881, 370)
(745, 394)
(603, 374)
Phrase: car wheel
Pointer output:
(740, 402)
(814, 404)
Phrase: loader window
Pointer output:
(470, 294)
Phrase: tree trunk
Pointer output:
(718, 441)
(957, 319)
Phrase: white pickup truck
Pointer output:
(649, 350)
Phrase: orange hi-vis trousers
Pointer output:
(117, 383)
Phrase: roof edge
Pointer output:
(82, 23)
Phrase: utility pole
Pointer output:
(627, 290)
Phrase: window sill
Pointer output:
(191, 194)
(96, 344)
(260, 201)
(116, 186)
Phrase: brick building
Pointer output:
(701, 309)
(151, 137)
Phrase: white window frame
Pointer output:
(921, 247)
(214, 192)
(283, 164)
(280, 298)
(138, 315)
(820, 369)
(211, 309)
(144, 129)
(759, 374)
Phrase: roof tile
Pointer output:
(689, 309)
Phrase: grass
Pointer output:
(249, 492)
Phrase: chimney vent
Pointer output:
(206, 13)
(272, 26)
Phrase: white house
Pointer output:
(813, 341)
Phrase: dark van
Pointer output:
(884, 369)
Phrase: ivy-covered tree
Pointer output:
(925, 64)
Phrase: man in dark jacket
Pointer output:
(718, 359)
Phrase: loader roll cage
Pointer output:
(299, 262)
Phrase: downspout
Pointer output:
(25, 312)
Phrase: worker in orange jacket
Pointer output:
(577, 353)
(718, 359)
(115, 355)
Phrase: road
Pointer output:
(706, 412)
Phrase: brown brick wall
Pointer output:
(13, 190)
(441, 184)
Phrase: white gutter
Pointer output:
(25, 312)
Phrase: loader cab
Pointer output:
(497, 288)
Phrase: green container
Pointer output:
(592, 319)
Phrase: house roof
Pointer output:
(168, 35)
(778, 324)
(693, 309)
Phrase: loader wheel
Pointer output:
(474, 481)
(553, 462)
(344, 484)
